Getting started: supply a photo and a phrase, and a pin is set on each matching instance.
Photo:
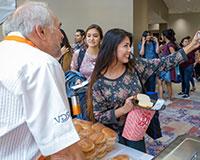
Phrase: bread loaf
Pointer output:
(121, 157)
(144, 101)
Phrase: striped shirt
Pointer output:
(34, 113)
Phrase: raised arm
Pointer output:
(142, 46)
(157, 45)
(147, 67)
(195, 43)
(74, 64)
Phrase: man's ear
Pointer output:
(40, 31)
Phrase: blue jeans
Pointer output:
(192, 82)
(139, 145)
(186, 75)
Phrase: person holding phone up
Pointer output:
(148, 48)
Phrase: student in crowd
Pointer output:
(197, 66)
(186, 70)
(94, 35)
(167, 76)
(34, 111)
(79, 40)
(149, 48)
(115, 80)
(67, 52)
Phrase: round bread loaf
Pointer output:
(144, 100)
(78, 127)
(101, 148)
(109, 133)
(90, 155)
(86, 132)
(76, 121)
(101, 154)
(98, 127)
(86, 145)
(121, 157)
(86, 124)
(97, 138)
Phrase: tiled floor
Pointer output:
(193, 95)
(179, 117)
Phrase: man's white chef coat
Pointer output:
(34, 111)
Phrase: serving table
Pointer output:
(132, 153)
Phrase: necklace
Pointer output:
(114, 73)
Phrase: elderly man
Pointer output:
(34, 111)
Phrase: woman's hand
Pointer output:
(64, 50)
(143, 40)
(128, 106)
(155, 39)
(195, 43)
(196, 40)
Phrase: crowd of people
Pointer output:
(35, 112)
(149, 47)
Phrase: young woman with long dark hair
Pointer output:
(115, 81)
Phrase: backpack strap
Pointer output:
(80, 58)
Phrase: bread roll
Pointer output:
(121, 157)
(91, 154)
(98, 127)
(101, 154)
(76, 121)
(97, 138)
(144, 100)
(86, 145)
(101, 147)
(84, 124)
(78, 127)
(109, 133)
(86, 132)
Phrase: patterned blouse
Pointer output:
(109, 94)
(87, 65)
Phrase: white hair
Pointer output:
(27, 16)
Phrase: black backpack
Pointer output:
(80, 57)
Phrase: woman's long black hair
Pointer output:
(107, 54)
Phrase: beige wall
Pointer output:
(81, 13)
(184, 24)
(140, 20)
(147, 12)
(157, 12)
